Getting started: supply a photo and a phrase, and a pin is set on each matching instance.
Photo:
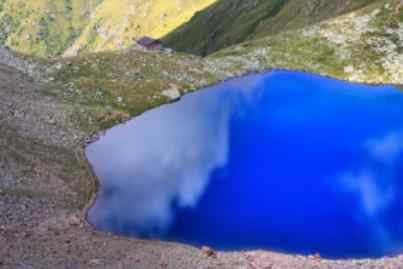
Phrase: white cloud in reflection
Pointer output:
(375, 184)
(387, 149)
(367, 185)
(164, 156)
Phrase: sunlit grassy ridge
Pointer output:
(43, 27)
(117, 24)
(57, 27)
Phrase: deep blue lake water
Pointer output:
(283, 161)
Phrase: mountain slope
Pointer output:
(43, 27)
(363, 46)
(57, 27)
(116, 24)
(229, 22)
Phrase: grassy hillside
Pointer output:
(116, 85)
(69, 27)
(363, 46)
(225, 23)
(229, 22)
(43, 27)
(116, 24)
(57, 27)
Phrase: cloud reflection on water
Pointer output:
(187, 142)
(376, 184)
(284, 160)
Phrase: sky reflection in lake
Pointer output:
(283, 160)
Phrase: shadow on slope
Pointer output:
(228, 22)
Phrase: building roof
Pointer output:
(148, 41)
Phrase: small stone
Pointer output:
(317, 257)
(52, 121)
(172, 93)
(376, 12)
(26, 234)
(95, 262)
(349, 69)
(58, 66)
(208, 252)
(74, 221)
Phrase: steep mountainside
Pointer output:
(116, 24)
(57, 27)
(228, 22)
(68, 27)
(43, 27)
(364, 46)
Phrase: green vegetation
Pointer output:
(112, 86)
(222, 24)
(43, 28)
(229, 22)
(117, 85)
(362, 46)
(54, 28)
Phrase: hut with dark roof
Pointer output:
(150, 43)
